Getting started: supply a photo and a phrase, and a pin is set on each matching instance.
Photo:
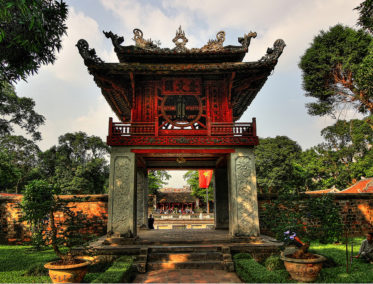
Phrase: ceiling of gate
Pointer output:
(181, 160)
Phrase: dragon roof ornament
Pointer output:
(149, 51)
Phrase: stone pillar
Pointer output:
(243, 202)
(142, 198)
(122, 193)
(221, 209)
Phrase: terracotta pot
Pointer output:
(303, 270)
(72, 273)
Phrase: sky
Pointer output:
(70, 101)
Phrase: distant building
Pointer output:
(175, 200)
(323, 191)
(362, 186)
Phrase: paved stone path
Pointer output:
(187, 276)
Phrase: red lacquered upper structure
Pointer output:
(180, 96)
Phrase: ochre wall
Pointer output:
(356, 210)
(13, 231)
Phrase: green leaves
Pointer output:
(276, 165)
(30, 35)
(332, 73)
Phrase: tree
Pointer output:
(18, 111)
(30, 33)
(20, 164)
(78, 165)
(277, 168)
(156, 180)
(343, 158)
(366, 15)
(338, 71)
(192, 178)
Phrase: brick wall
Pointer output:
(13, 231)
(356, 210)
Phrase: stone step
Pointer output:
(185, 257)
(185, 249)
(214, 265)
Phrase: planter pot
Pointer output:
(72, 273)
(303, 270)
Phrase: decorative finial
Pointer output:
(89, 55)
(275, 52)
(215, 45)
(245, 40)
(180, 40)
(141, 42)
(115, 39)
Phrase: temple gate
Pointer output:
(178, 109)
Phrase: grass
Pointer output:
(18, 261)
(119, 272)
(333, 272)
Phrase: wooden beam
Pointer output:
(181, 151)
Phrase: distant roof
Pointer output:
(362, 186)
(175, 190)
(322, 191)
(178, 197)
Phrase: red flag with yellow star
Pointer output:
(204, 178)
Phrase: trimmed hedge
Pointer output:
(120, 272)
(250, 271)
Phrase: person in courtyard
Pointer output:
(366, 249)
(151, 222)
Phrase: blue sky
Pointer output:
(69, 99)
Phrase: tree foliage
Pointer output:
(18, 111)
(338, 71)
(277, 169)
(30, 33)
(78, 164)
(366, 15)
(192, 179)
(344, 157)
(156, 180)
(20, 164)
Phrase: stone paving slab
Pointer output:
(187, 276)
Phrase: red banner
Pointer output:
(204, 178)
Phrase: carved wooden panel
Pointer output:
(144, 110)
(218, 99)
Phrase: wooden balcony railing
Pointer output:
(141, 131)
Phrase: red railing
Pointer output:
(151, 129)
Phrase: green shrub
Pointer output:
(120, 272)
(274, 263)
(242, 255)
(250, 271)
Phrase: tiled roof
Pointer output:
(181, 197)
(322, 191)
(362, 186)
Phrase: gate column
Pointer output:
(142, 198)
(122, 193)
(243, 203)
(221, 199)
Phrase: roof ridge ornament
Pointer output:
(89, 55)
(143, 43)
(215, 44)
(245, 40)
(115, 39)
(180, 40)
(274, 53)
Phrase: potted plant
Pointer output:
(40, 205)
(302, 265)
